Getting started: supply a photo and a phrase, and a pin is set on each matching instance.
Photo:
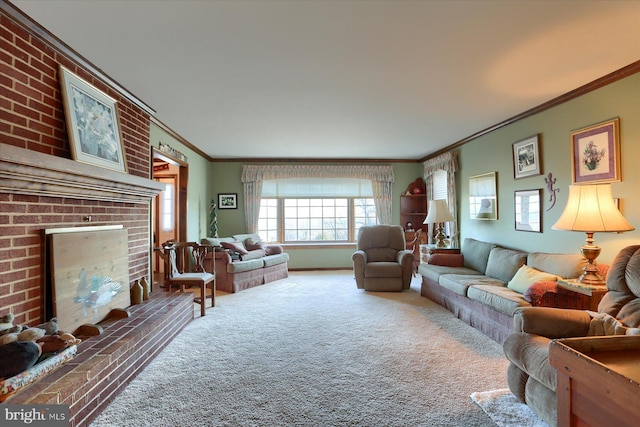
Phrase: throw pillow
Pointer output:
(273, 249)
(234, 246)
(253, 245)
(527, 276)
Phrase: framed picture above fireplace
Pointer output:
(93, 123)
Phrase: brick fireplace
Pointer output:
(42, 188)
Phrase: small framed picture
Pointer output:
(595, 153)
(528, 211)
(526, 157)
(93, 123)
(228, 201)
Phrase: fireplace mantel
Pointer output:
(33, 173)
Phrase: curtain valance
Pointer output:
(252, 173)
(446, 161)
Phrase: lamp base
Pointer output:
(440, 237)
(590, 275)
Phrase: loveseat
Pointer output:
(244, 261)
(486, 283)
(530, 376)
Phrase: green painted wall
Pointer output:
(198, 188)
(226, 179)
(492, 152)
(489, 153)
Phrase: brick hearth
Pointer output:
(105, 364)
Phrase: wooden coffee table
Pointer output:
(598, 380)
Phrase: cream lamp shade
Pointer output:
(438, 212)
(590, 209)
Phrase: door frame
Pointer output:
(181, 196)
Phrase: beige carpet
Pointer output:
(313, 350)
(505, 410)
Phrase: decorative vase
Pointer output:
(146, 288)
(136, 292)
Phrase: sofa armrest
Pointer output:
(447, 260)
(403, 255)
(551, 322)
(359, 261)
(223, 256)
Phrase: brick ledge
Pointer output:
(105, 364)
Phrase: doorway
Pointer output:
(169, 208)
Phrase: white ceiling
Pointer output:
(343, 79)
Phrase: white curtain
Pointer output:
(252, 176)
(447, 162)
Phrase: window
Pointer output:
(440, 191)
(168, 204)
(315, 210)
(364, 213)
(268, 221)
(293, 220)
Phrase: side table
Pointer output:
(580, 296)
(598, 380)
(427, 250)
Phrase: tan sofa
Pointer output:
(530, 376)
(476, 285)
(243, 261)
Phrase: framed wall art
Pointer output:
(595, 153)
(483, 198)
(526, 157)
(93, 123)
(528, 212)
(228, 201)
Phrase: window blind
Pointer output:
(317, 187)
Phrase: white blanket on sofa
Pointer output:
(605, 324)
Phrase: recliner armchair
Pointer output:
(530, 376)
(381, 262)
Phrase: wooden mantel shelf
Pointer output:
(30, 172)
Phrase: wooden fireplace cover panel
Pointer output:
(90, 276)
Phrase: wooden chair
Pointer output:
(184, 267)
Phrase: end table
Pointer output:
(586, 297)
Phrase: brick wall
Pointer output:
(32, 117)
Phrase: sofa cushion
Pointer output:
(243, 237)
(216, 241)
(270, 260)
(433, 272)
(254, 254)
(567, 266)
(383, 269)
(504, 263)
(460, 283)
(527, 276)
(476, 254)
(500, 298)
(381, 255)
(240, 266)
(235, 246)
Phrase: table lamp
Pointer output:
(438, 213)
(591, 209)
